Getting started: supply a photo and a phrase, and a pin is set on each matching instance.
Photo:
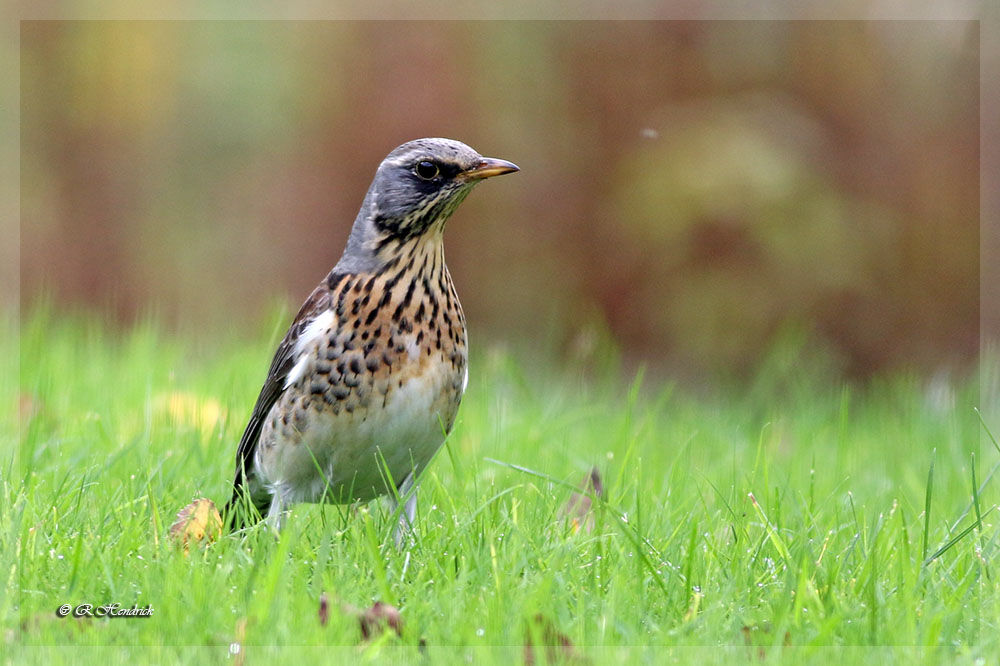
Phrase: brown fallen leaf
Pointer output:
(578, 509)
(324, 609)
(198, 522)
(558, 646)
(374, 620)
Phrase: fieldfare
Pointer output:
(366, 383)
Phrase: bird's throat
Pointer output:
(421, 257)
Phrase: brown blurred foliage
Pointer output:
(687, 188)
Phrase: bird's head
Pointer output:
(420, 183)
(416, 187)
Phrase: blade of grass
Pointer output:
(969, 507)
(979, 513)
(961, 535)
(772, 534)
(927, 508)
(993, 439)
(629, 530)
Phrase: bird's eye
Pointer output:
(427, 170)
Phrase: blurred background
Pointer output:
(691, 193)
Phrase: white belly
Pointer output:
(359, 455)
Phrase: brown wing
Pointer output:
(274, 386)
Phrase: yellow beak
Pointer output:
(489, 167)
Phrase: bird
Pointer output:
(366, 384)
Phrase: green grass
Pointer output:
(800, 520)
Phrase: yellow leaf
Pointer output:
(190, 410)
(198, 522)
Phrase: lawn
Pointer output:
(797, 518)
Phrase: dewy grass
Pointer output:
(811, 522)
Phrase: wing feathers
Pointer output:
(313, 317)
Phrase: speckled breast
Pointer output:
(379, 391)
